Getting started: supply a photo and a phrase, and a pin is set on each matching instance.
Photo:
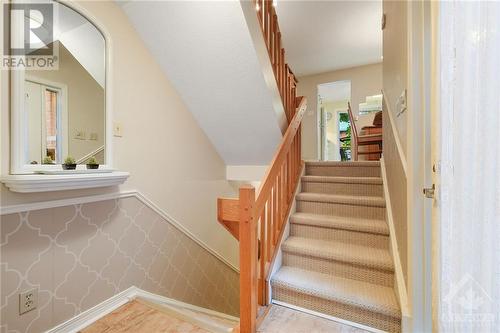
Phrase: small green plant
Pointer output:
(47, 160)
(69, 160)
(92, 160)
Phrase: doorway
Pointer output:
(334, 124)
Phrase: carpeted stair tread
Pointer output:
(338, 251)
(343, 163)
(345, 223)
(343, 180)
(342, 199)
(365, 295)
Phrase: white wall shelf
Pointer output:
(48, 183)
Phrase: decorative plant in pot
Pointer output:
(92, 163)
(47, 160)
(69, 163)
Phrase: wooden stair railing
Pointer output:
(258, 221)
(285, 79)
(362, 140)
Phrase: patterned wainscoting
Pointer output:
(79, 255)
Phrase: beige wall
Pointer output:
(365, 81)
(85, 103)
(80, 255)
(395, 61)
(170, 159)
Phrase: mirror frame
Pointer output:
(18, 119)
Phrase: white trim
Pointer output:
(401, 291)
(89, 155)
(395, 132)
(325, 316)
(12, 209)
(158, 299)
(48, 183)
(89, 316)
(93, 314)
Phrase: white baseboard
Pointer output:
(400, 284)
(90, 316)
(111, 196)
(325, 316)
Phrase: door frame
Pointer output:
(321, 123)
(63, 121)
(420, 86)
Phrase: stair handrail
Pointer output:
(285, 78)
(258, 221)
(354, 133)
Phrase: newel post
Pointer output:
(248, 260)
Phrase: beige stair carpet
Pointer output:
(336, 260)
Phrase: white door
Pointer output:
(466, 219)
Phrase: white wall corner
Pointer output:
(246, 173)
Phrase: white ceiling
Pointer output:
(321, 36)
(206, 51)
(335, 91)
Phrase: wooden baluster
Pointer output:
(269, 227)
(278, 208)
(262, 259)
(248, 260)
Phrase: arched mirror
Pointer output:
(58, 100)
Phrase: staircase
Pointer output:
(336, 260)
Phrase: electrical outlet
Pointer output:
(28, 301)
(117, 129)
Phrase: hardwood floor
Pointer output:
(284, 320)
(137, 317)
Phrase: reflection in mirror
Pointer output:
(65, 107)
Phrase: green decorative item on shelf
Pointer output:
(69, 163)
(92, 163)
(47, 160)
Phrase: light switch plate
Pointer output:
(117, 129)
(80, 135)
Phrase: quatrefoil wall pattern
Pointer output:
(80, 255)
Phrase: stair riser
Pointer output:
(346, 236)
(339, 209)
(341, 171)
(337, 309)
(374, 190)
(337, 268)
